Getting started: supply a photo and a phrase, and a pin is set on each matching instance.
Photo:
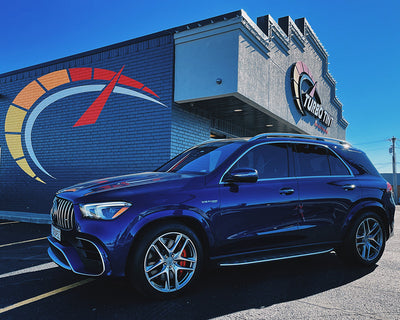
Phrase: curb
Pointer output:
(38, 218)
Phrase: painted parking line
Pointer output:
(20, 242)
(45, 266)
(10, 222)
(45, 295)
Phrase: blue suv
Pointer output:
(225, 202)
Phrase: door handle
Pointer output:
(286, 191)
(349, 187)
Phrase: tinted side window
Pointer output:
(311, 160)
(337, 166)
(359, 162)
(270, 161)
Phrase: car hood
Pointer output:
(120, 182)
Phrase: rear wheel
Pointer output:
(365, 241)
(166, 261)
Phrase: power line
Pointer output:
(376, 149)
(384, 163)
(370, 142)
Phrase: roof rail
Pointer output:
(295, 135)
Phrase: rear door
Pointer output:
(327, 190)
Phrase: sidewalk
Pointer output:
(30, 217)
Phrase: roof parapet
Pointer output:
(272, 29)
(292, 31)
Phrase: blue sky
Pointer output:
(361, 38)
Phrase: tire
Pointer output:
(365, 242)
(165, 261)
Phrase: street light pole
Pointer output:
(394, 168)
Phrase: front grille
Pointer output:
(63, 214)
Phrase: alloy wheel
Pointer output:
(369, 239)
(170, 262)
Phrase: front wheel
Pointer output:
(166, 260)
(365, 241)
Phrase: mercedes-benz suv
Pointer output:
(226, 202)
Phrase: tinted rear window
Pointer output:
(338, 168)
(312, 160)
(358, 162)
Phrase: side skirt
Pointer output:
(260, 259)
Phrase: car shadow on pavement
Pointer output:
(228, 290)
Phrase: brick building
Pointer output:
(131, 106)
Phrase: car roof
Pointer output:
(290, 137)
(296, 137)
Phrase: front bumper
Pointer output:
(80, 255)
(87, 246)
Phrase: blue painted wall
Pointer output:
(188, 129)
(130, 135)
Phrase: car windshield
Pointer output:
(201, 159)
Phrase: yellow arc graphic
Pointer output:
(18, 110)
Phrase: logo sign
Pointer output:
(48, 89)
(305, 94)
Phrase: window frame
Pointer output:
(295, 162)
(289, 159)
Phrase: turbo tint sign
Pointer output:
(305, 94)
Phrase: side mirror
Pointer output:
(242, 175)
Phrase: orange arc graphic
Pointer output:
(54, 79)
(28, 95)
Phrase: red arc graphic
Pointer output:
(92, 113)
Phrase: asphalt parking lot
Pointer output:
(319, 287)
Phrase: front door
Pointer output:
(263, 214)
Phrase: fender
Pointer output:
(370, 203)
(127, 238)
(178, 211)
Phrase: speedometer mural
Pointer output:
(50, 88)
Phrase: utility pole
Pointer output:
(394, 169)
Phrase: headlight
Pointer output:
(105, 210)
